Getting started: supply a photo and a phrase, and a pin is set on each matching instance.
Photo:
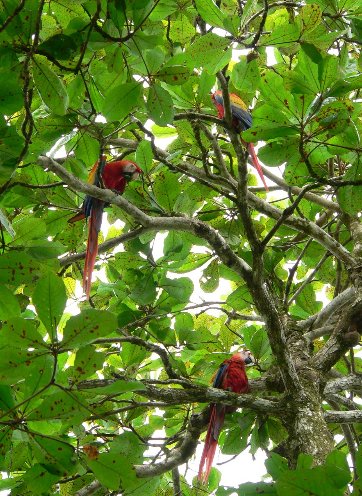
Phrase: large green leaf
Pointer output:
(210, 12)
(120, 100)
(15, 270)
(50, 86)
(89, 325)
(160, 105)
(206, 50)
(350, 197)
(49, 299)
(108, 468)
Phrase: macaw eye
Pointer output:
(128, 176)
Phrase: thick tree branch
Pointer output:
(343, 337)
(177, 396)
(349, 417)
(347, 383)
(335, 306)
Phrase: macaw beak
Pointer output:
(248, 360)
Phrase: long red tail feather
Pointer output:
(256, 164)
(216, 422)
(92, 244)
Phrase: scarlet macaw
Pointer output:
(230, 376)
(111, 175)
(241, 121)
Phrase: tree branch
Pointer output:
(349, 417)
(196, 227)
(335, 306)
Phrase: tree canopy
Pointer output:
(198, 260)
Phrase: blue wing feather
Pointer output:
(243, 117)
(220, 374)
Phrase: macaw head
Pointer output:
(130, 170)
(245, 356)
(117, 174)
(218, 101)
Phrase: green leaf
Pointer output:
(60, 405)
(329, 72)
(246, 76)
(56, 455)
(37, 480)
(284, 35)
(89, 325)
(163, 9)
(276, 465)
(45, 249)
(276, 152)
(49, 299)
(350, 197)
(9, 305)
(184, 325)
(306, 482)
(304, 461)
(120, 387)
(235, 441)
(210, 12)
(27, 229)
(180, 288)
(19, 364)
(87, 149)
(307, 300)
(11, 98)
(132, 354)
(256, 488)
(144, 155)
(108, 468)
(337, 469)
(209, 281)
(143, 289)
(310, 17)
(174, 74)
(166, 189)
(50, 86)
(120, 100)
(240, 298)
(21, 334)
(269, 122)
(87, 362)
(60, 46)
(345, 86)
(11, 145)
(181, 30)
(207, 50)
(160, 105)
(256, 340)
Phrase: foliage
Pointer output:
(84, 386)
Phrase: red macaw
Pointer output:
(230, 376)
(111, 175)
(242, 121)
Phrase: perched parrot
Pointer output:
(111, 175)
(230, 376)
(242, 121)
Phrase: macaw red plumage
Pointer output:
(111, 175)
(241, 121)
(230, 376)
